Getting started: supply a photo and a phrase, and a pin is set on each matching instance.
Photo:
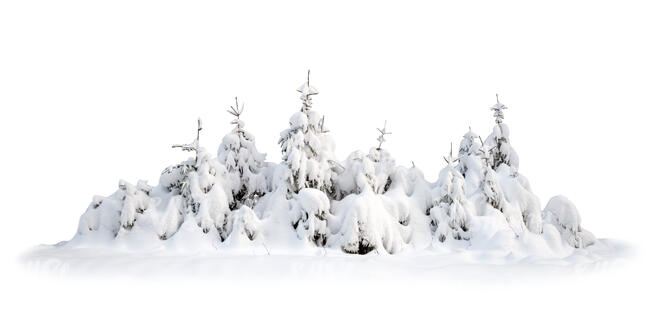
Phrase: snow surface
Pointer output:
(227, 213)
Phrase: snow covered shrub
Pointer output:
(469, 161)
(310, 210)
(102, 215)
(118, 211)
(135, 201)
(563, 214)
(368, 222)
(384, 167)
(307, 150)
(364, 223)
(243, 162)
(203, 191)
(371, 170)
(246, 225)
(451, 212)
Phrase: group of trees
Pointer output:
(362, 204)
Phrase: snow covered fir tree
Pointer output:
(312, 203)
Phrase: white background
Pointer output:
(91, 92)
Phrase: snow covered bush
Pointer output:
(246, 227)
(135, 201)
(365, 219)
(244, 163)
(310, 210)
(563, 214)
(372, 170)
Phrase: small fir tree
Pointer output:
(450, 214)
(503, 152)
(201, 189)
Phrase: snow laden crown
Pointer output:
(312, 202)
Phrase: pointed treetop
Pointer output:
(486, 152)
(382, 135)
(307, 89)
(450, 159)
(470, 134)
(498, 111)
(236, 111)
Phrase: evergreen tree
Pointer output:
(309, 213)
(505, 162)
(202, 191)
(307, 150)
(503, 152)
(384, 164)
(372, 170)
(469, 161)
(366, 222)
(243, 162)
(450, 214)
(490, 189)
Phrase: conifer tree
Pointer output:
(469, 161)
(450, 214)
(243, 162)
(503, 152)
(201, 189)
(490, 189)
(307, 150)
(505, 162)
(384, 164)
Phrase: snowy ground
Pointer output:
(253, 264)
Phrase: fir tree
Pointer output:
(469, 162)
(307, 150)
(243, 162)
(503, 152)
(201, 191)
(450, 214)
(490, 189)
(384, 164)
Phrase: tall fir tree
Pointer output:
(307, 149)
(244, 163)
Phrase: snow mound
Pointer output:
(563, 214)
